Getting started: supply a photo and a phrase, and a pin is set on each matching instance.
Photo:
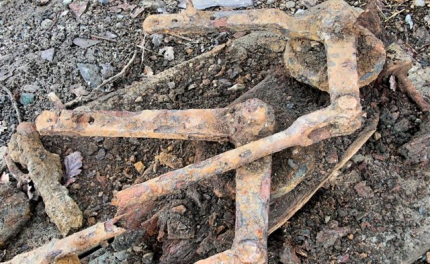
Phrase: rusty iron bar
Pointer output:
(74, 244)
(322, 22)
(194, 124)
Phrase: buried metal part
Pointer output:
(333, 24)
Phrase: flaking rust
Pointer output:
(248, 125)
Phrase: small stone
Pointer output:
(139, 166)
(269, 2)
(107, 70)
(363, 255)
(85, 43)
(48, 54)
(377, 136)
(203, 4)
(3, 150)
(103, 1)
(290, 4)
(26, 98)
(402, 125)
(90, 149)
(122, 255)
(78, 7)
(180, 209)
(92, 221)
(147, 258)
(137, 249)
(101, 154)
(363, 190)
(67, 2)
(46, 23)
(192, 86)
(42, 2)
(351, 236)
(170, 160)
(90, 73)
(139, 99)
(328, 237)
(30, 88)
(420, 2)
(148, 71)
(357, 158)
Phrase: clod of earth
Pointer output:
(44, 169)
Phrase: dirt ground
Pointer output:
(377, 210)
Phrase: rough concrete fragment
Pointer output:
(14, 212)
(46, 173)
(202, 4)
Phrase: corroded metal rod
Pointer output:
(173, 124)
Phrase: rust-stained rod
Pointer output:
(325, 18)
(75, 243)
(198, 124)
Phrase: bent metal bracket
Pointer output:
(354, 59)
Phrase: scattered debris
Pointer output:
(85, 43)
(72, 164)
(106, 82)
(78, 8)
(45, 171)
(48, 54)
